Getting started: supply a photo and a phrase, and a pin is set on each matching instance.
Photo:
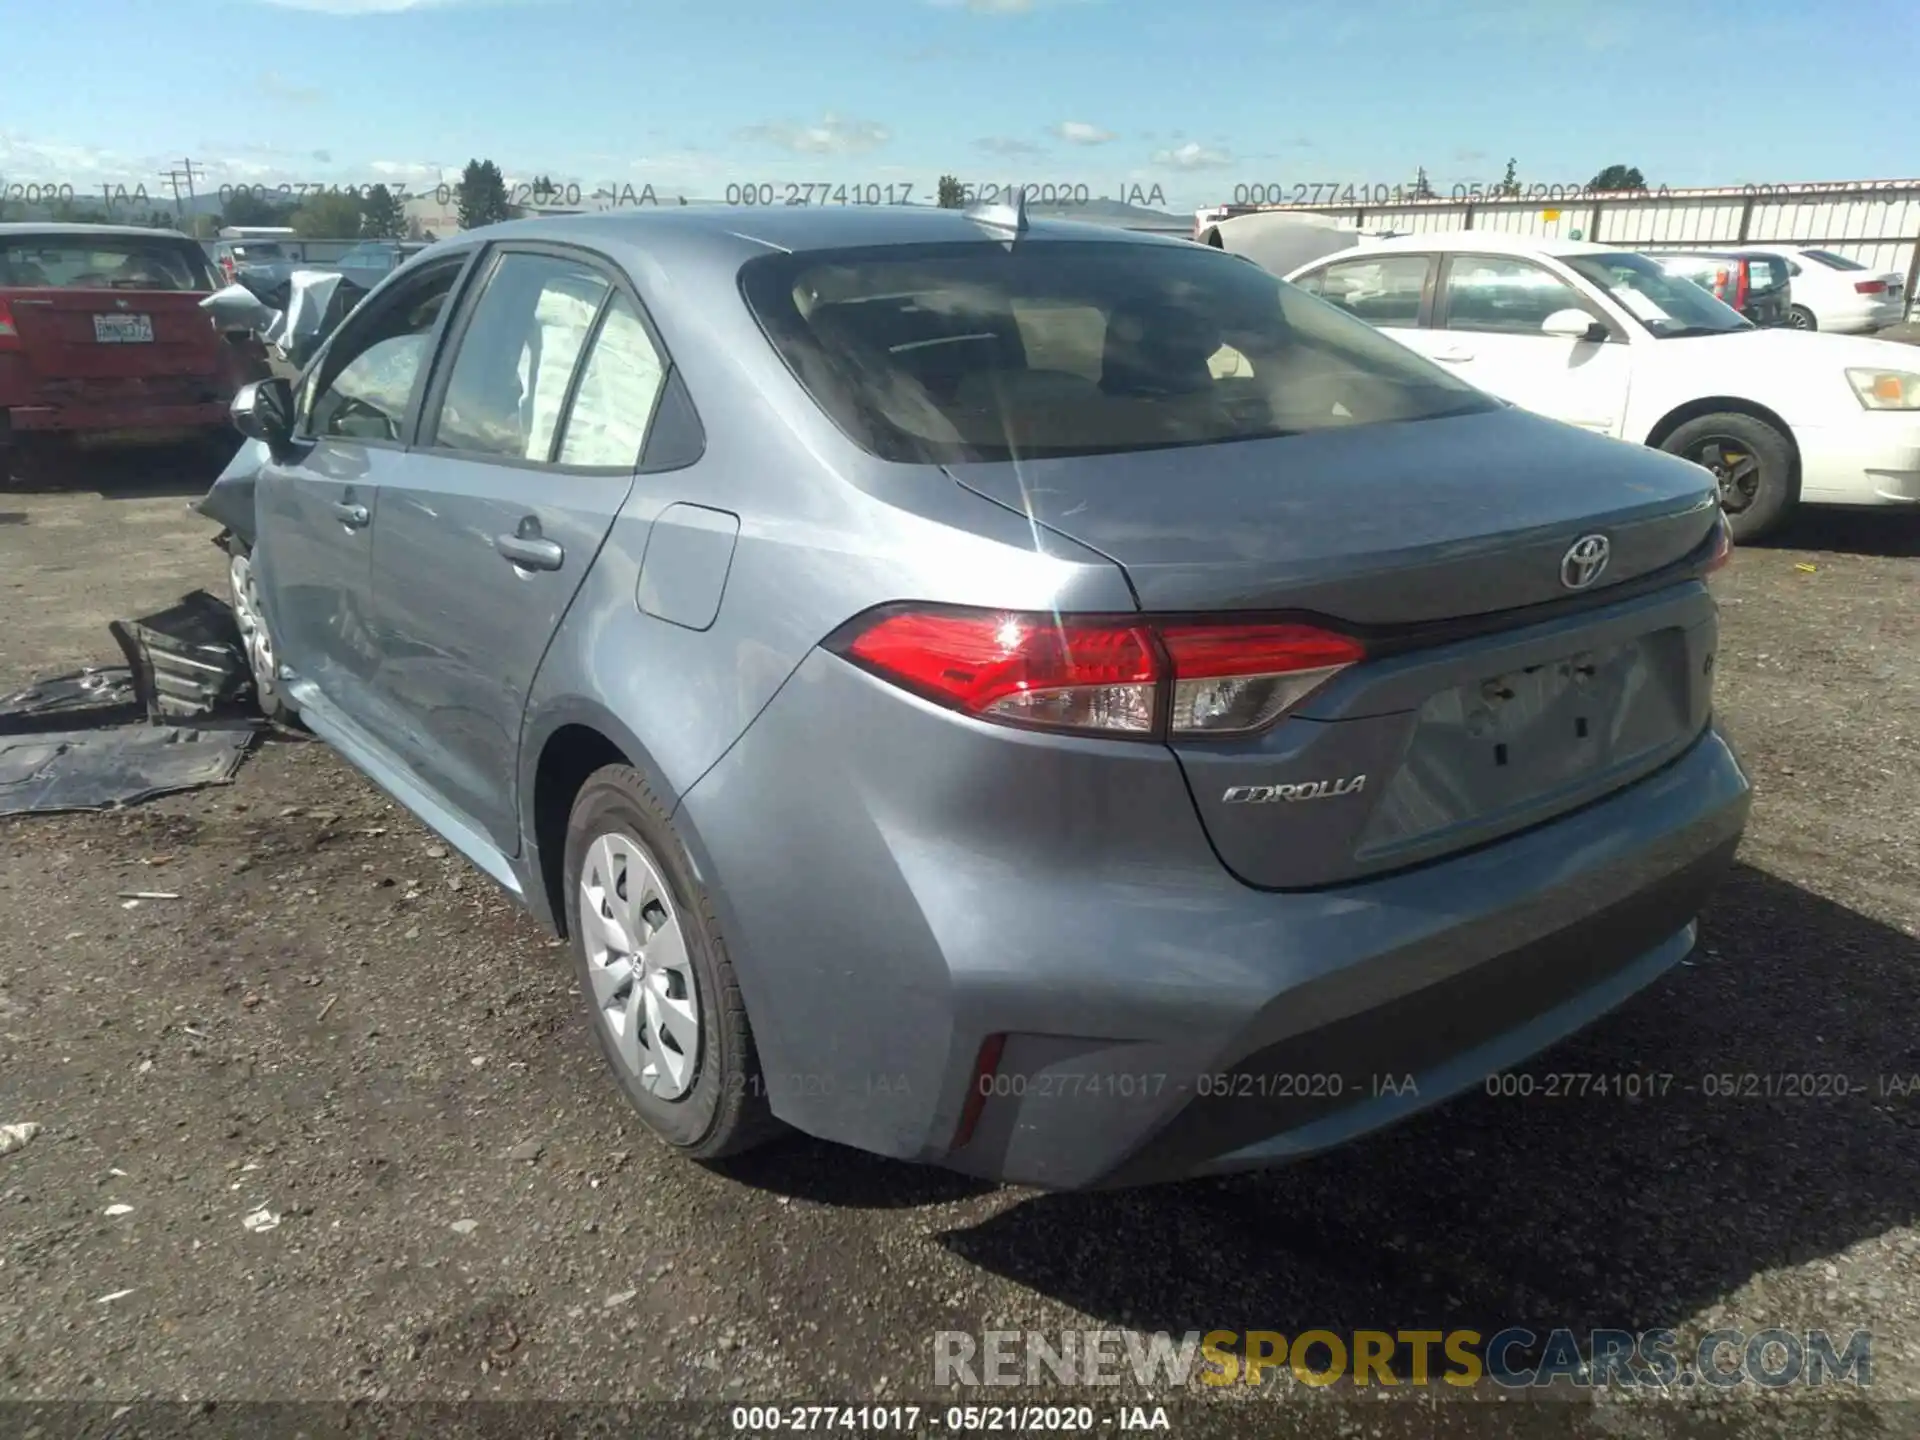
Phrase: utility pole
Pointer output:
(185, 168)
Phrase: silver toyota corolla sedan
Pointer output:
(1049, 701)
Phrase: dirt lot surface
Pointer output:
(339, 1024)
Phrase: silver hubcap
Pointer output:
(643, 985)
(1737, 470)
(253, 629)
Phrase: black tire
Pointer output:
(1755, 465)
(1802, 318)
(724, 1110)
(267, 694)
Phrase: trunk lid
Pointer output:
(1374, 525)
(117, 334)
(1450, 734)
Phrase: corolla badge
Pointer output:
(1308, 790)
(1583, 564)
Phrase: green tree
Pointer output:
(381, 214)
(328, 217)
(1619, 177)
(1422, 187)
(1510, 182)
(481, 195)
(951, 197)
(245, 207)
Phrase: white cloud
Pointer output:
(1192, 156)
(830, 135)
(1079, 132)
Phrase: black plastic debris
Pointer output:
(101, 768)
(97, 695)
(177, 716)
(186, 661)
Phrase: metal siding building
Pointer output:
(1876, 222)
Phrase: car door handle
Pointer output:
(1454, 357)
(351, 515)
(530, 552)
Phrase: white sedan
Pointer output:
(1831, 292)
(1609, 341)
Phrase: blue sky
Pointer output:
(1195, 97)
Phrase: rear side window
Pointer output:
(618, 389)
(516, 358)
(1833, 261)
(982, 352)
(1386, 291)
(65, 262)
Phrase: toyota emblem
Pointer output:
(1583, 564)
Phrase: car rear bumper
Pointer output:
(1874, 461)
(129, 417)
(891, 902)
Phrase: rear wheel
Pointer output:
(1801, 318)
(659, 987)
(243, 592)
(1753, 463)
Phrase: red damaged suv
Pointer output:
(102, 338)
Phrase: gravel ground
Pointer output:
(340, 1024)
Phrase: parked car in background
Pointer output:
(1755, 283)
(371, 261)
(1831, 292)
(1613, 342)
(102, 338)
(263, 266)
(932, 691)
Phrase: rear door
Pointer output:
(1487, 326)
(92, 310)
(1392, 292)
(318, 510)
(528, 443)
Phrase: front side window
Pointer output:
(517, 357)
(1667, 305)
(981, 351)
(1504, 295)
(362, 389)
(1383, 291)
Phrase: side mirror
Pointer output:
(263, 411)
(1572, 324)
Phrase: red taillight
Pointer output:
(9, 331)
(226, 267)
(1870, 287)
(1122, 677)
(985, 1066)
(1740, 288)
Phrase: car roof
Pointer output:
(79, 231)
(1491, 242)
(790, 228)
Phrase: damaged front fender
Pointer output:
(229, 503)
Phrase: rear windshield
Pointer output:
(259, 250)
(1833, 261)
(1766, 272)
(77, 262)
(982, 352)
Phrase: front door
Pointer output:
(491, 523)
(318, 510)
(1487, 328)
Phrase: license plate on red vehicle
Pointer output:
(123, 329)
